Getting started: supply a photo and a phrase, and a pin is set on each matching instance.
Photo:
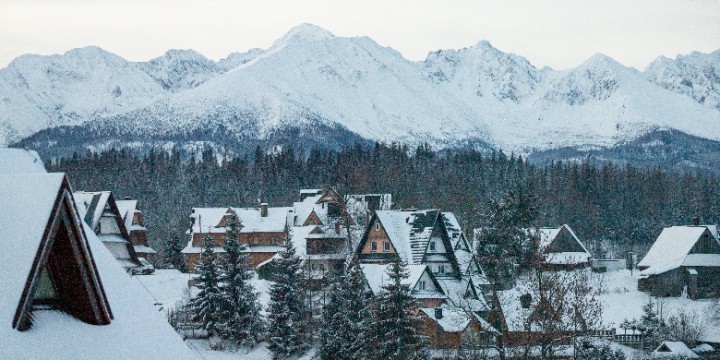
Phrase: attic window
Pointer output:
(373, 246)
(377, 226)
(45, 293)
(432, 246)
(386, 246)
(421, 285)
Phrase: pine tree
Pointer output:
(209, 302)
(287, 313)
(395, 328)
(241, 320)
(346, 317)
(173, 254)
(652, 326)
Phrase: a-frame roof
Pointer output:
(36, 206)
(409, 231)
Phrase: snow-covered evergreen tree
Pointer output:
(240, 321)
(209, 302)
(288, 312)
(395, 330)
(172, 254)
(346, 317)
(652, 326)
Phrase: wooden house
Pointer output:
(99, 210)
(454, 328)
(319, 207)
(428, 238)
(60, 282)
(262, 230)
(683, 260)
(135, 224)
(561, 249)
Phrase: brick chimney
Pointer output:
(696, 221)
(438, 313)
(264, 209)
(337, 227)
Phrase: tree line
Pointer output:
(612, 207)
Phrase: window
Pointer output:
(274, 240)
(45, 292)
(421, 285)
(441, 269)
(377, 226)
(386, 246)
(256, 240)
(373, 246)
(432, 246)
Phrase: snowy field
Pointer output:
(622, 300)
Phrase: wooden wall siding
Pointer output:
(564, 242)
(379, 236)
(312, 219)
(473, 335)
(430, 302)
(705, 284)
(706, 245)
(109, 225)
(257, 238)
(325, 246)
(254, 259)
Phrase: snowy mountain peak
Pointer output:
(303, 33)
(696, 75)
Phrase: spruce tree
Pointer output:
(346, 317)
(172, 254)
(241, 321)
(395, 323)
(287, 313)
(209, 301)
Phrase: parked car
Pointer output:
(145, 268)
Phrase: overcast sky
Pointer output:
(555, 33)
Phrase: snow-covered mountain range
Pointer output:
(310, 79)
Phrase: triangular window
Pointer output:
(46, 295)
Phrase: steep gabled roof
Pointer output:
(127, 210)
(36, 208)
(672, 247)
(674, 349)
(20, 161)
(377, 277)
(409, 231)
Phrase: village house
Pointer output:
(262, 230)
(422, 283)
(135, 225)
(561, 249)
(675, 350)
(99, 210)
(684, 260)
(59, 282)
(422, 238)
(454, 329)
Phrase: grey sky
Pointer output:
(556, 33)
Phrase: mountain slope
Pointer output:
(696, 75)
(311, 79)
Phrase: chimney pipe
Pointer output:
(337, 227)
(696, 221)
(438, 313)
(264, 210)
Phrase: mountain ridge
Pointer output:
(310, 77)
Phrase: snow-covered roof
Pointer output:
(91, 205)
(453, 319)
(453, 228)
(566, 258)
(127, 210)
(303, 209)
(137, 331)
(251, 219)
(674, 349)
(377, 277)
(144, 249)
(671, 249)
(548, 235)
(456, 289)
(28, 201)
(409, 231)
(20, 161)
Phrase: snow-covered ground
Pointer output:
(166, 286)
(202, 348)
(621, 300)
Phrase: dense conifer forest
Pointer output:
(613, 208)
